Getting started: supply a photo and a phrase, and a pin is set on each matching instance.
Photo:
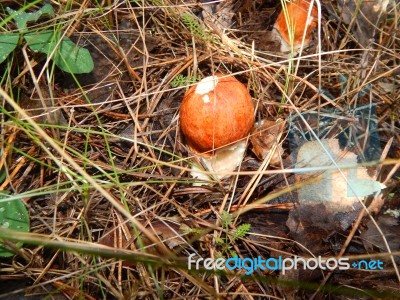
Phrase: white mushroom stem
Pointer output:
(285, 47)
(222, 163)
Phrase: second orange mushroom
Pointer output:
(293, 21)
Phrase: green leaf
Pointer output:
(233, 253)
(73, 58)
(44, 41)
(2, 175)
(69, 57)
(8, 42)
(22, 18)
(219, 240)
(13, 215)
(181, 80)
(226, 219)
(242, 230)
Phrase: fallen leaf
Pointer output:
(264, 136)
(220, 14)
(364, 15)
(389, 226)
(340, 187)
(330, 204)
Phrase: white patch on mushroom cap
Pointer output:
(206, 98)
(310, 19)
(206, 85)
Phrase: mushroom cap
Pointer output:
(297, 13)
(216, 112)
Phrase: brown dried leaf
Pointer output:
(340, 188)
(329, 205)
(389, 226)
(364, 15)
(312, 224)
(263, 137)
(220, 14)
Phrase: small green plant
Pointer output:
(196, 231)
(13, 215)
(2, 171)
(181, 80)
(225, 242)
(68, 56)
(195, 28)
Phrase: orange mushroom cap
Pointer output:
(216, 112)
(297, 13)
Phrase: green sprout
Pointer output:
(13, 215)
(68, 56)
(239, 232)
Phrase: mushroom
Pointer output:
(291, 23)
(215, 117)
